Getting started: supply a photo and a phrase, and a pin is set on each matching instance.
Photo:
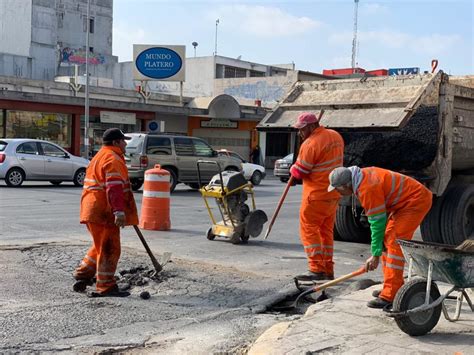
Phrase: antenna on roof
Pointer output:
(354, 40)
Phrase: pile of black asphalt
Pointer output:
(411, 148)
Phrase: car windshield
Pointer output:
(3, 145)
(288, 157)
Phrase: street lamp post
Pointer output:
(195, 44)
(86, 106)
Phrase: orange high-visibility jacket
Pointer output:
(319, 154)
(105, 175)
(382, 192)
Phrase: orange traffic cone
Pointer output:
(156, 200)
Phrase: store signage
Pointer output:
(118, 117)
(156, 126)
(219, 123)
(159, 62)
(403, 71)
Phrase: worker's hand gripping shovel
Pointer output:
(166, 256)
(322, 287)
(282, 198)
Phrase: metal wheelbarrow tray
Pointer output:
(418, 304)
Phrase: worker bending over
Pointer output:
(395, 205)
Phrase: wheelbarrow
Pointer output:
(418, 304)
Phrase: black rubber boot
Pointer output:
(378, 303)
(81, 285)
(114, 292)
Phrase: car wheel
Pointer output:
(256, 178)
(194, 185)
(136, 184)
(79, 177)
(56, 182)
(173, 178)
(15, 177)
(284, 179)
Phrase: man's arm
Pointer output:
(114, 190)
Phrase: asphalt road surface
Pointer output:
(212, 296)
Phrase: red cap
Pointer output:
(304, 119)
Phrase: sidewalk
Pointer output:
(345, 325)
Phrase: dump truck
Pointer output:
(418, 125)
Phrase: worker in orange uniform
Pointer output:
(107, 204)
(395, 205)
(322, 150)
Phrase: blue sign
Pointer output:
(403, 71)
(158, 63)
(153, 126)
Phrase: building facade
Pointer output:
(42, 39)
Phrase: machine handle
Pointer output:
(209, 162)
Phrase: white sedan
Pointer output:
(252, 172)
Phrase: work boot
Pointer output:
(314, 276)
(114, 292)
(379, 303)
(81, 285)
(376, 293)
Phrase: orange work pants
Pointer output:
(316, 232)
(401, 224)
(102, 257)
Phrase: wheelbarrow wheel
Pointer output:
(209, 234)
(412, 295)
(235, 238)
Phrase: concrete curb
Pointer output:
(345, 325)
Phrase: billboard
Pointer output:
(159, 62)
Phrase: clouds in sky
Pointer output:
(432, 44)
(264, 21)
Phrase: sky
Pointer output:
(312, 34)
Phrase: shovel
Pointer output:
(321, 287)
(282, 198)
(155, 262)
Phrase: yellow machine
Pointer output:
(230, 190)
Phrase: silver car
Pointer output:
(32, 159)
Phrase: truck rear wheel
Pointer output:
(349, 228)
(431, 225)
(457, 215)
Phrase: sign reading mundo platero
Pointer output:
(157, 62)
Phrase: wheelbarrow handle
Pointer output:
(280, 203)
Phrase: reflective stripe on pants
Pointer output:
(105, 250)
(401, 224)
(316, 233)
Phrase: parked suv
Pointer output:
(176, 154)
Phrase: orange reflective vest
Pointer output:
(319, 154)
(106, 170)
(382, 192)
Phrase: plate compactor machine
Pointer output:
(231, 190)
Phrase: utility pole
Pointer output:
(354, 40)
(215, 44)
(86, 108)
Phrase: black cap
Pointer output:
(114, 133)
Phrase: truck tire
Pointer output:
(173, 178)
(431, 225)
(348, 228)
(457, 215)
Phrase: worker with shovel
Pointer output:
(107, 203)
(321, 151)
(395, 205)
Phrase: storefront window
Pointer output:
(97, 129)
(53, 127)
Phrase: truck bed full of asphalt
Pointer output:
(410, 149)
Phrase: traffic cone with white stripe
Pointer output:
(156, 200)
